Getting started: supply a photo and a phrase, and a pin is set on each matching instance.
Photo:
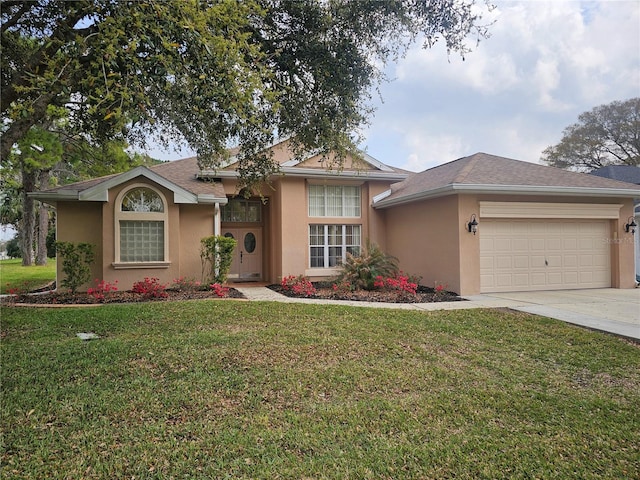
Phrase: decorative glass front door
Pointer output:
(247, 256)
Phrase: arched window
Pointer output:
(141, 225)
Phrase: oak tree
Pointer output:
(606, 135)
(213, 73)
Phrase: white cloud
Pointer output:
(544, 64)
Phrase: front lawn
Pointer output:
(228, 389)
(14, 276)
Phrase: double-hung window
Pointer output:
(334, 201)
(329, 244)
(141, 226)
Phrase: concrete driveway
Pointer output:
(607, 309)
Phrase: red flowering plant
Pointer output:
(220, 290)
(341, 288)
(102, 290)
(400, 282)
(299, 285)
(21, 289)
(439, 291)
(150, 288)
(184, 284)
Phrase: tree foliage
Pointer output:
(607, 135)
(212, 72)
(46, 156)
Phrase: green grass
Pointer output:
(14, 275)
(227, 389)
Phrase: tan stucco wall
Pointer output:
(80, 223)
(622, 261)
(196, 222)
(424, 236)
(294, 227)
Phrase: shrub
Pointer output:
(102, 289)
(13, 248)
(220, 290)
(361, 271)
(299, 285)
(400, 282)
(439, 290)
(21, 289)
(216, 253)
(150, 288)
(76, 263)
(184, 284)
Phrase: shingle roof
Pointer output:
(499, 173)
(183, 173)
(179, 172)
(624, 173)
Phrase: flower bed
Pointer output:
(326, 290)
(67, 298)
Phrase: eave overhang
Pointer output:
(385, 199)
(316, 173)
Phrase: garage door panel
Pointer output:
(520, 245)
(570, 261)
(553, 244)
(536, 244)
(601, 261)
(537, 261)
(520, 279)
(504, 263)
(538, 279)
(521, 261)
(539, 254)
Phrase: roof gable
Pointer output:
(178, 177)
(310, 164)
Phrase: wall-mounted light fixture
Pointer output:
(472, 226)
(631, 225)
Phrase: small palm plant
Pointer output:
(360, 271)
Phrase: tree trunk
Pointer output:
(43, 230)
(28, 224)
(43, 221)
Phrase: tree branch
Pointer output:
(63, 33)
(26, 6)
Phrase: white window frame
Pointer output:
(324, 192)
(120, 216)
(326, 245)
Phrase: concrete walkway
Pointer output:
(607, 309)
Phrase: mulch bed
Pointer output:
(67, 298)
(423, 295)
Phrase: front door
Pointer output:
(247, 256)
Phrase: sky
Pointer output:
(544, 64)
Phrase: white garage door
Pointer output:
(521, 255)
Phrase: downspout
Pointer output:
(216, 220)
(216, 230)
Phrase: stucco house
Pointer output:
(478, 224)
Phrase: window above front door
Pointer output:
(242, 211)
